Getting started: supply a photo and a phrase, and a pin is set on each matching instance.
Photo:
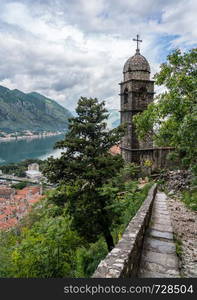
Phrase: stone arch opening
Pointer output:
(143, 93)
(126, 95)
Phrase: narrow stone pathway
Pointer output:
(159, 259)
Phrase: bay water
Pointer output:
(36, 148)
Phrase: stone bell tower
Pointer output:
(136, 92)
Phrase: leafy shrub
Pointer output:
(190, 199)
(20, 185)
(148, 163)
(47, 250)
(87, 259)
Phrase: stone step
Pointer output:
(160, 234)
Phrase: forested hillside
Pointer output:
(32, 111)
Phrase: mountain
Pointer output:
(114, 118)
(32, 111)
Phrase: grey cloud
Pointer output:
(69, 81)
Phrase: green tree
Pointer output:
(20, 185)
(85, 166)
(172, 119)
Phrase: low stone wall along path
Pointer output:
(159, 257)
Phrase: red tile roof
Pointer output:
(115, 150)
(20, 204)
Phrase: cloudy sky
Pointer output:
(65, 49)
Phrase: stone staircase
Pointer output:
(159, 257)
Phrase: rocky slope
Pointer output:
(184, 223)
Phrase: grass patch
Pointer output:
(178, 244)
(190, 199)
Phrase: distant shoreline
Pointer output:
(30, 137)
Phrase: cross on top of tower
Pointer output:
(137, 40)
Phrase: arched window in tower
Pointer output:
(126, 94)
(143, 93)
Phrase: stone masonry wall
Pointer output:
(123, 261)
(158, 157)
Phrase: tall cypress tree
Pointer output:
(86, 164)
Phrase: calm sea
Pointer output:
(18, 150)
